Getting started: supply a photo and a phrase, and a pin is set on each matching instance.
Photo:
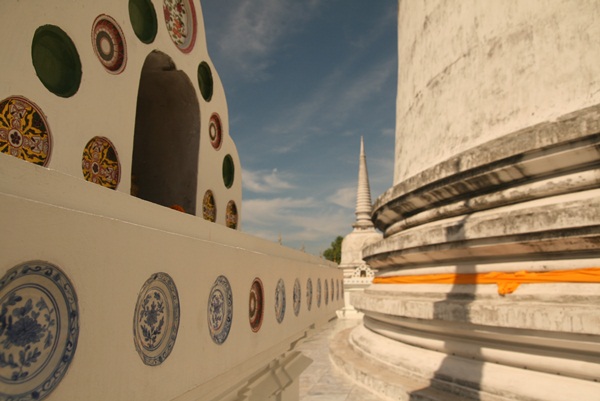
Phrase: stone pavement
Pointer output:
(322, 381)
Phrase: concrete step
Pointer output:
(389, 382)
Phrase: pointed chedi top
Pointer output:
(364, 207)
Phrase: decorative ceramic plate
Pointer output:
(280, 301)
(309, 293)
(24, 132)
(231, 215)
(326, 297)
(256, 305)
(205, 81)
(318, 292)
(332, 290)
(108, 43)
(143, 20)
(215, 131)
(180, 18)
(220, 310)
(56, 61)
(297, 297)
(228, 171)
(39, 327)
(156, 319)
(100, 163)
(209, 209)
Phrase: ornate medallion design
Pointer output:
(215, 131)
(318, 292)
(280, 301)
(156, 319)
(309, 295)
(108, 43)
(209, 209)
(39, 327)
(297, 297)
(100, 163)
(24, 132)
(326, 297)
(220, 310)
(180, 17)
(256, 304)
(231, 215)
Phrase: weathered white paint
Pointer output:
(472, 71)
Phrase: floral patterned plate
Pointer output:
(39, 327)
(280, 301)
(156, 319)
(220, 310)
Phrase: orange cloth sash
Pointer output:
(507, 282)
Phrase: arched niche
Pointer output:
(167, 136)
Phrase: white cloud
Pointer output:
(296, 220)
(266, 181)
(255, 30)
(344, 197)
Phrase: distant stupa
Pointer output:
(358, 274)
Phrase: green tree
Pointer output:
(334, 252)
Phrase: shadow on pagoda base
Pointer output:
(420, 359)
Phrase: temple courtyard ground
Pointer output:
(322, 381)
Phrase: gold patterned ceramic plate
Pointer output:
(100, 163)
(24, 132)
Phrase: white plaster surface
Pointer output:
(475, 70)
(109, 243)
(105, 104)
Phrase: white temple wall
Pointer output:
(108, 259)
(486, 69)
(105, 103)
(69, 230)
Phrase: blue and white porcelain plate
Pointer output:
(297, 297)
(220, 310)
(39, 327)
(280, 301)
(309, 294)
(156, 319)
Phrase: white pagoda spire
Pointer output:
(364, 207)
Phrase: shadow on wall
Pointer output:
(167, 136)
(455, 308)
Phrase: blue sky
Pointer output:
(304, 80)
